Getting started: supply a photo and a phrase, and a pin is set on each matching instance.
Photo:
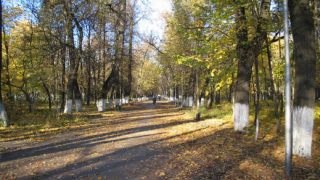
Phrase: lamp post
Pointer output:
(288, 119)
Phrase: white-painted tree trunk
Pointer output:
(190, 104)
(110, 103)
(101, 105)
(117, 102)
(3, 115)
(68, 106)
(241, 116)
(198, 102)
(126, 99)
(78, 105)
(302, 131)
(202, 102)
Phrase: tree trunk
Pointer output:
(77, 95)
(203, 91)
(63, 77)
(258, 100)
(281, 104)
(72, 58)
(218, 97)
(241, 104)
(47, 91)
(273, 87)
(265, 94)
(120, 53)
(6, 45)
(247, 51)
(210, 98)
(182, 95)
(76, 90)
(107, 85)
(88, 84)
(54, 81)
(89, 68)
(197, 89)
(4, 121)
(95, 93)
(127, 89)
(305, 68)
(113, 80)
(231, 89)
(70, 87)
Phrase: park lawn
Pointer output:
(42, 123)
(218, 152)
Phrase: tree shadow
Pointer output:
(103, 165)
(51, 146)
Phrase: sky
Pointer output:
(155, 23)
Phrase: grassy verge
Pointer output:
(42, 123)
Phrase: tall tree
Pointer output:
(113, 81)
(128, 85)
(71, 9)
(72, 56)
(3, 114)
(305, 75)
(247, 51)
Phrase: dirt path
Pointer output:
(124, 146)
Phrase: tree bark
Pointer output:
(273, 87)
(47, 91)
(127, 89)
(114, 78)
(210, 98)
(72, 58)
(6, 45)
(3, 114)
(218, 97)
(203, 91)
(258, 100)
(77, 95)
(63, 77)
(305, 68)
(241, 106)
(247, 51)
(89, 68)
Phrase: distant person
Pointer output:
(159, 98)
(154, 100)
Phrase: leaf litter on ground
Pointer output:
(208, 149)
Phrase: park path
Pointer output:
(121, 146)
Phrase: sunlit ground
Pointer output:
(172, 144)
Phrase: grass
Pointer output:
(41, 119)
(218, 152)
(42, 123)
(214, 152)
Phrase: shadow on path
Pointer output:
(115, 149)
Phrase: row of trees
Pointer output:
(74, 51)
(83, 50)
(211, 47)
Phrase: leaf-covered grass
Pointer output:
(209, 149)
(42, 123)
(218, 152)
